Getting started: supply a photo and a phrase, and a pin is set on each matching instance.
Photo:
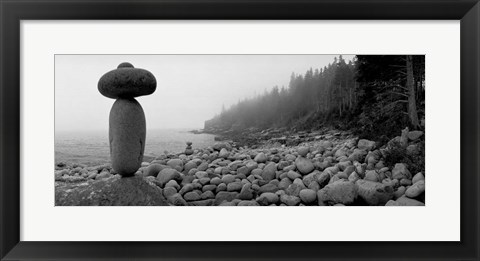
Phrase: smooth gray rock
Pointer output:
(341, 191)
(374, 193)
(127, 82)
(127, 131)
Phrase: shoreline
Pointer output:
(269, 167)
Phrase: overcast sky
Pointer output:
(190, 88)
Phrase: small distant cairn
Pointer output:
(188, 149)
(127, 127)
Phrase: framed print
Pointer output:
(239, 130)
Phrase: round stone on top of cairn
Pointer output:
(188, 149)
(127, 127)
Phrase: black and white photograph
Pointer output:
(239, 130)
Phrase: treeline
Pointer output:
(373, 94)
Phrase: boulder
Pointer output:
(374, 193)
(341, 191)
(114, 191)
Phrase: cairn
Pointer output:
(188, 149)
(127, 127)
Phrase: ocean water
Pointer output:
(92, 148)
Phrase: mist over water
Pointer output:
(92, 147)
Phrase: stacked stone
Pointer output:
(127, 127)
(188, 149)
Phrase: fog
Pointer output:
(190, 88)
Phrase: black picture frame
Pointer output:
(13, 11)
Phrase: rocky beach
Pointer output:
(315, 168)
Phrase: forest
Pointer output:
(375, 96)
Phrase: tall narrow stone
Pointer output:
(127, 126)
